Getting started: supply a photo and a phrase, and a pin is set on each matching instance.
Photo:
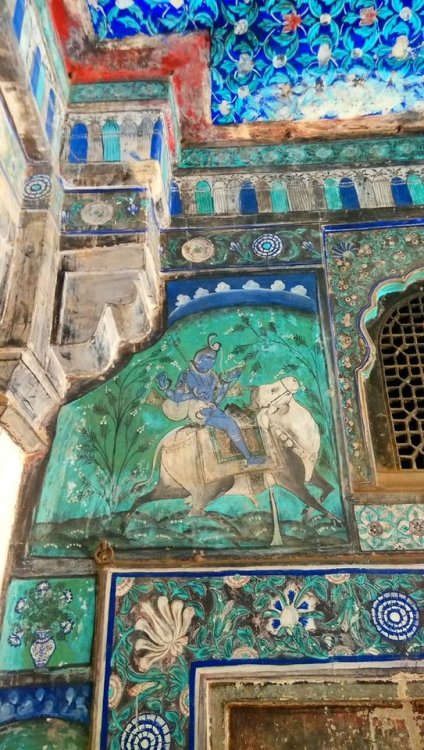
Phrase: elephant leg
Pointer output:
(204, 494)
(297, 487)
(319, 481)
(243, 486)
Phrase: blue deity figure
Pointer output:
(200, 383)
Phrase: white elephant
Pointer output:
(291, 439)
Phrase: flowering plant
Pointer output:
(43, 607)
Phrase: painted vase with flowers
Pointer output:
(43, 617)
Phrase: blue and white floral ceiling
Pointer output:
(277, 60)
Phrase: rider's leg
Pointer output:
(222, 421)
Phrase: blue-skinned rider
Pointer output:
(200, 382)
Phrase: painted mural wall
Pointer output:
(220, 435)
(189, 361)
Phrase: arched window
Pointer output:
(401, 351)
(416, 188)
(332, 194)
(175, 202)
(248, 201)
(78, 144)
(51, 106)
(348, 194)
(18, 18)
(400, 192)
(279, 200)
(35, 70)
(111, 141)
(204, 200)
(157, 138)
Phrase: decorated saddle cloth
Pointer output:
(215, 447)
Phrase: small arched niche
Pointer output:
(393, 381)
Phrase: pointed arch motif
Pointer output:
(279, 200)
(144, 137)
(263, 194)
(332, 194)
(400, 191)
(35, 70)
(95, 142)
(18, 18)
(416, 188)
(203, 197)
(51, 107)
(175, 201)
(128, 138)
(78, 143)
(247, 198)
(348, 194)
(157, 140)
(111, 141)
(219, 193)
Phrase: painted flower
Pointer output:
(245, 64)
(416, 526)
(67, 596)
(116, 689)
(291, 22)
(292, 609)
(241, 27)
(368, 16)
(236, 581)
(163, 631)
(67, 625)
(123, 586)
(20, 605)
(184, 702)
(224, 107)
(337, 578)
(15, 638)
(43, 588)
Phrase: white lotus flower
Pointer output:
(163, 631)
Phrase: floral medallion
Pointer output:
(146, 732)
(396, 616)
(198, 249)
(38, 186)
(268, 246)
(96, 212)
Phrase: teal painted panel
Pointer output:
(332, 194)
(48, 623)
(416, 188)
(127, 90)
(44, 734)
(376, 151)
(115, 467)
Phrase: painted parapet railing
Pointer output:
(332, 190)
(163, 628)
